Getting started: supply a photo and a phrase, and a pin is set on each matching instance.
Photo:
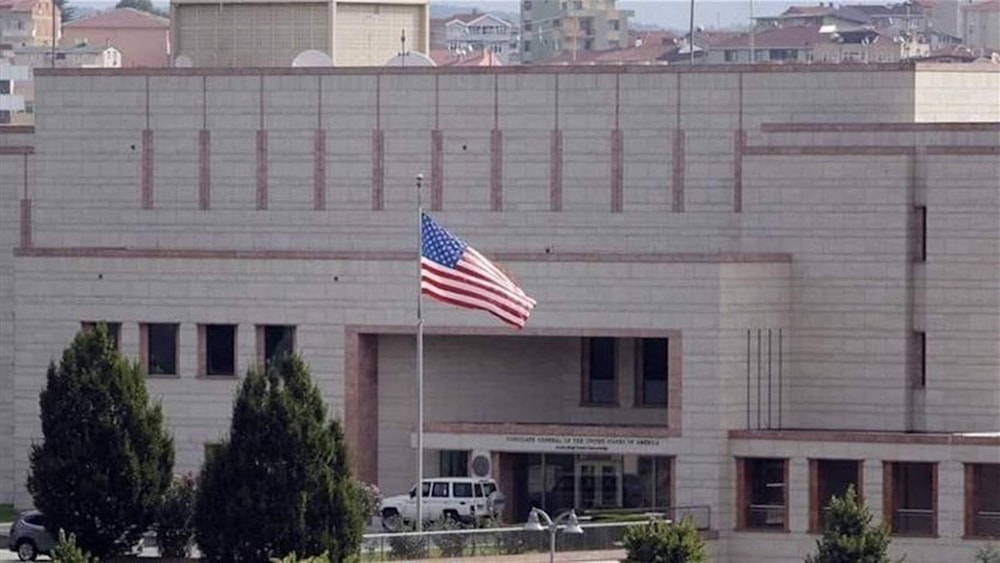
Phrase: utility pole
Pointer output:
(691, 34)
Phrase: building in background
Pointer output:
(272, 33)
(981, 25)
(26, 23)
(142, 38)
(550, 28)
(468, 34)
(809, 44)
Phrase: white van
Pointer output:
(464, 499)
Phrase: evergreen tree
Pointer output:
(67, 12)
(849, 536)
(281, 483)
(141, 5)
(106, 459)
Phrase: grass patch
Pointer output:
(7, 513)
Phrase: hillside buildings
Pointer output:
(550, 28)
(755, 285)
(142, 38)
(28, 23)
(272, 33)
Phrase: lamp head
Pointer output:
(572, 524)
(533, 525)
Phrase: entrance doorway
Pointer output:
(598, 483)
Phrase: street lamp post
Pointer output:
(537, 516)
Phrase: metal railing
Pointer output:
(986, 523)
(766, 516)
(917, 521)
(599, 534)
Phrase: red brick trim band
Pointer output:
(17, 149)
(556, 171)
(739, 147)
(17, 130)
(496, 170)
(871, 150)
(26, 241)
(261, 169)
(879, 127)
(865, 437)
(319, 170)
(970, 150)
(394, 256)
(437, 170)
(204, 169)
(146, 170)
(378, 170)
(678, 169)
(617, 171)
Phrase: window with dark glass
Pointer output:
(911, 489)
(982, 509)
(279, 341)
(440, 490)
(599, 374)
(454, 463)
(653, 484)
(461, 490)
(833, 477)
(764, 495)
(114, 330)
(161, 348)
(220, 350)
(652, 356)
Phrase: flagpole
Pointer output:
(420, 359)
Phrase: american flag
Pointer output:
(453, 272)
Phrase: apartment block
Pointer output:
(550, 28)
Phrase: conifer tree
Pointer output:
(849, 535)
(106, 458)
(281, 482)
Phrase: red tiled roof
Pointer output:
(120, 18)
(18, 5)
(795, 36)
(795, 11)
(444, 57)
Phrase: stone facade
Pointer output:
(793, 228)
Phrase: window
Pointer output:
(527, 5)
(599, 371)
(731, 55)
(274, 342)
(440, 490)
(5, 86)
(982, 494)
(920, 233)
(613, 24)
(654, 481)
(527, 26)
(830, 478)
(114, 331)
(919, 360)
(527, 46)
(454, 463)
(219, 348)
(159, 347)
(911, 498)
(782, 54)
(762, 493)
(461, 490)
(651, 369)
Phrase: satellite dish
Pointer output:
(411, 58)
(183, 61)
(312, 57)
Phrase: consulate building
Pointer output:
(755, 285)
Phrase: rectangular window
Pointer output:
(461, 490)
(114, 331)
(527, 5)
(160, 348)
(763, 494)
(730, 55)
(920, 233)
(920, 360)
(527, 46)
(613, 24)
(654, 484)
(454, 463)
(651, 370)
(831, 478)
(982, 494)
(220, 350)
(911, 498)
(527, 26)
(5, 86)
(599, 371)
(274, 342)
(440, 490)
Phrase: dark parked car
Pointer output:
(29, 538)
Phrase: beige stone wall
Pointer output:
(369, 34)
(944, 93)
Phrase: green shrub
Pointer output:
(850, 535)
(67, 551)
(292, 558)
(451, 545)
(175, 521)
(988, 554)
(664, 542)
(281, 483)
(106, 458)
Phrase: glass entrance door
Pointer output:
(598, 484)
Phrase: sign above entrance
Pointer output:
(544, 443)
